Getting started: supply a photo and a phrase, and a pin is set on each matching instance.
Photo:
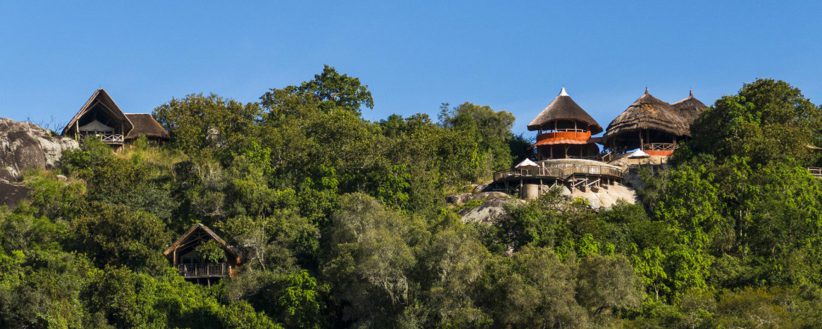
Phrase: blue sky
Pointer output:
(511, 55)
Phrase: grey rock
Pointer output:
(26, 146)
(489, 211)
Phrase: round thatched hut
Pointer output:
(649, 124)
(564, 130)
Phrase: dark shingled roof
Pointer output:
(689, 108)
(651, 113)
(144, 124)
(564, 108)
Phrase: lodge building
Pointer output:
(185, 256)
(652, 125)
(101, 118)
(567, 154)
(564, 130)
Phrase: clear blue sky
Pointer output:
(507, 54)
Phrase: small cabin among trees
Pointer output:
(202, 256)
(101, 118)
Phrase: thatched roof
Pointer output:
(689, 108)
(144, 124)
(563, 108)
(648, 113)
(100, 96)
(198, 232)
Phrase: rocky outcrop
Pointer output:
(603, 198)
(483, 207)
(26, 146)
(488, 207)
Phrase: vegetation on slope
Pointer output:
(347, 224)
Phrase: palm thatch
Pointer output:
(107, 104)
(144, 124)
(647, 113)
(563, 108)
(689, 108)
(195, 235)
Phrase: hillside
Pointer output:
(327, 220)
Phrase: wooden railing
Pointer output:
(559, 171)
(193, 271)
(816, 171)
(107, 138)
(659, 147)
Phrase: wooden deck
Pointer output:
(561, 171)
(203, 271)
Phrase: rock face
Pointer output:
(488, 207)
(26, 146)
(483, 207)
(604, 198)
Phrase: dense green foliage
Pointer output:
(344, 224)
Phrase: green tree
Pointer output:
(533, 289)
(115, 235)
(208, 124)
(607, 283)
(769, 120)
(370, 257)
(327, 90)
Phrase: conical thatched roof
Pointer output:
(563, 108)
(689, 108)
(648, 113)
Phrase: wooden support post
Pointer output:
(641, 141)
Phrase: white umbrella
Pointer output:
(639, 154)
(526, 163)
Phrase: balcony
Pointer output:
(659, 149)
(564, 136)
(203, 271)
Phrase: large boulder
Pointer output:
(604, 198)
(482, 207)
(26, 146)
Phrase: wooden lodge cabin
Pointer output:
(652, 125)
(184, 256)
(564, 130)
(100, 117)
